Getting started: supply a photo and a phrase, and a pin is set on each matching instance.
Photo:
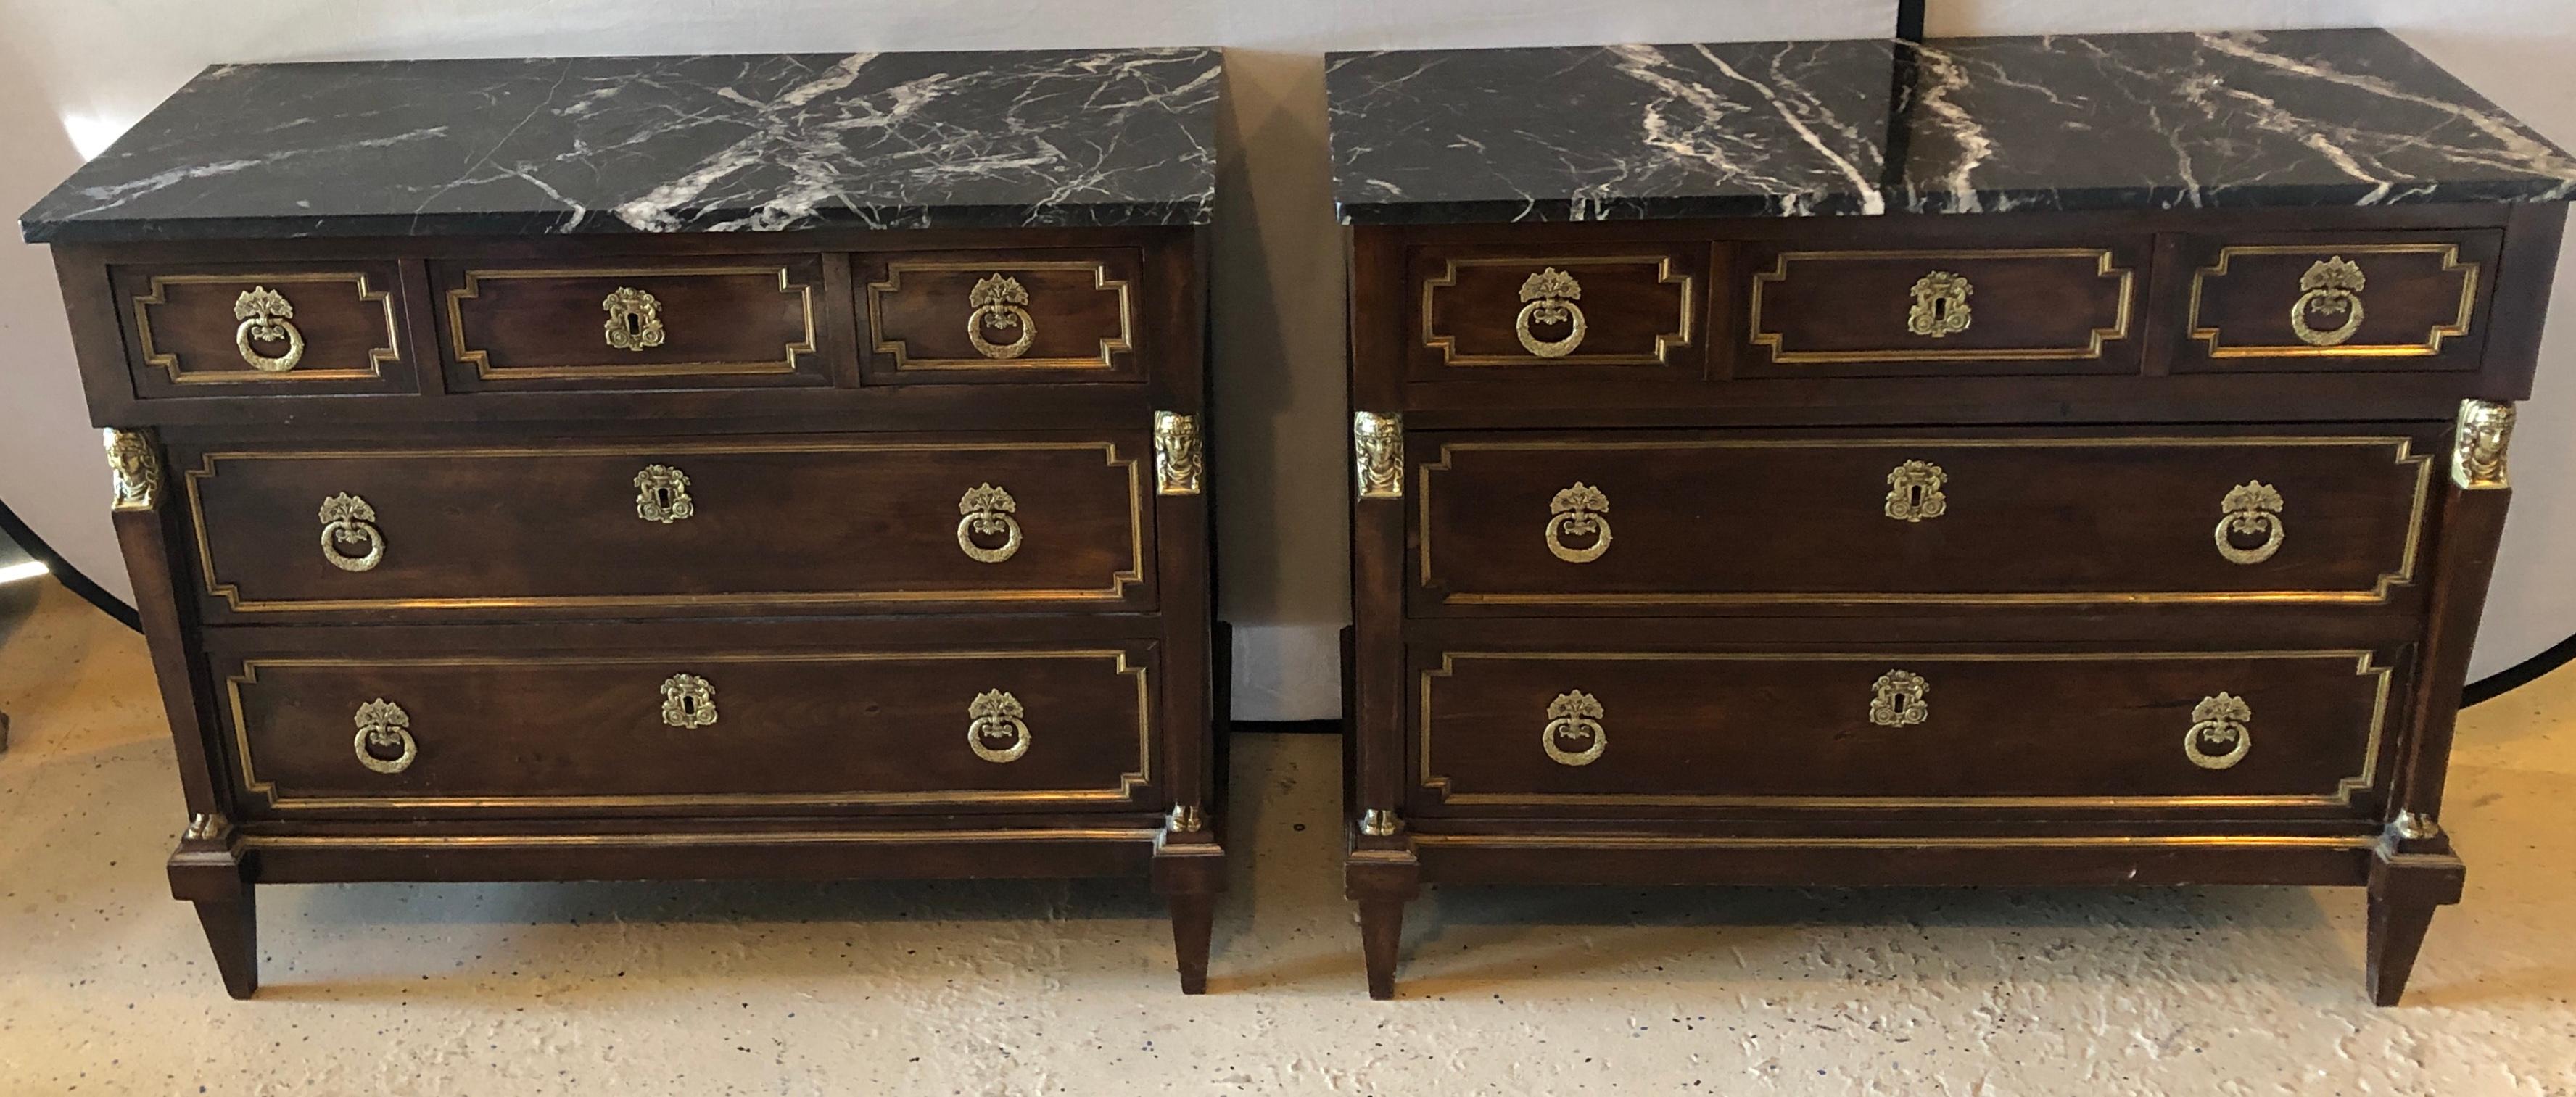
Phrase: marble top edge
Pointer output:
(668, 143)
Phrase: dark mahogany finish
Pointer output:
(1690, 700)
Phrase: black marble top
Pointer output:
(2106, 121)
(658, 144)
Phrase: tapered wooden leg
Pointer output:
(1381, 939)
(2405, 889)
(232, 930)
(1193, 925)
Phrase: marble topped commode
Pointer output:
(2073, 460)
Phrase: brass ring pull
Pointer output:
(1914, 491)
(266, 317)
(987, 512)
(383, 727)
(688, 701)
(1579, 511)
(1549, 298)
(634, 320)
(994, 714)
(2250, 508)
(1001, 303)
(1940, 305)
(1899, 700)
(2219, 720)
(2330, 288)
(348, 520)
(662, 495)
(1574, 715)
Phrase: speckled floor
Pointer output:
(1053, 988)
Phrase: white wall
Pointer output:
(73, 75)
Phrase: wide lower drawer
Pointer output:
(1895, 727)
(667, 525)
(412, 727)
(1685, 523)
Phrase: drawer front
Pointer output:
(1945, 312)
(722, 322)
(953, 317)
(686, 730)
(1898, 728)
(1484, 313)
(248, 329)
(1703, 522)
(2310, 301)
(652, 526)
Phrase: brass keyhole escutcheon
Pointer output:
(2221, 721)
(2331, 288)
(987, 513)
(1578, 512)
(1574, 715)
(688, 701)
(1940, 305)
(1001, 305)
(662, 495)
(384, 728)
(995, 714)
(348, 520)
(1914, 491)
(634, 319)
(2251, 509)
(1900, 699)
(266, 317)
(1548, 298)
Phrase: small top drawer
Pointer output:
(678, 526)
(1688, 524)
(1945, 312)
(947, 317)
(1558, 310)
(330, 328)
(728, 321)
(2342, 301)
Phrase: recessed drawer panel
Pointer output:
(331, 328)
(1486, 313)
(1897, 728)
(2304, 301)
(1945, 312)
(721, 322)
(968, 316)
(1687, 524)
(671, 526)
(393, 728)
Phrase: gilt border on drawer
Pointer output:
(2090, 351)
(1117, 588)
(1124, 792)
(2365, 665)
(611, 370)
(376, 357)
(2432, 344)
(1664, 341)
(2403, 454)
(1124, 341)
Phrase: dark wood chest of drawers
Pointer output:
(875, 544)
(2086, 546)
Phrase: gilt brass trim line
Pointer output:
(1110, 346)
(1124, 792)
(706, 838)
(2365, 665)
(481, 360)
(169, 360)
(2122, 315)
(2061, 841)
(1133, 574)
(1680, 336)
(2432, 344)
(2404, 575)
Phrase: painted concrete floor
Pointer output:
(1054, 988)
